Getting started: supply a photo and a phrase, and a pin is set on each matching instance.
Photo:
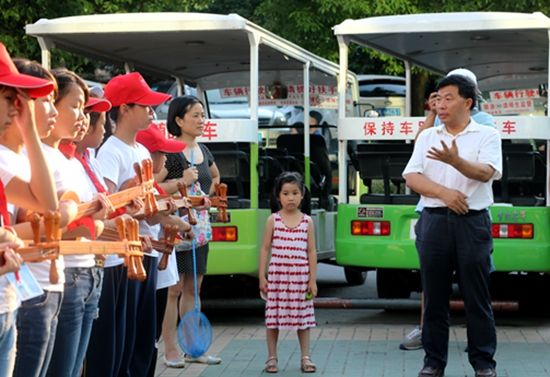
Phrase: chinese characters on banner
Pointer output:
(506, 95)
(210, 132)
(509, 107)
(293, 91)
(517, 101)
(390, 129)
(321, 96)
(507, 127)
(406, 128)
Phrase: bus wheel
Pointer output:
(393, 283)
(355, 276)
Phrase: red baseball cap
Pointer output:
(97, 105)
(154, 140)
(132, 88)
(10, 76)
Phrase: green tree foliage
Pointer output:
(244, 8)
(309, 23)
(16, 14)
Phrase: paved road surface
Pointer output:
(359, 342)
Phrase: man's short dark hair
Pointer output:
(466, 88)
(316, 115)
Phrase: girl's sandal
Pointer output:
(307, 365)
(271, 365)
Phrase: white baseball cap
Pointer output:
(464, 73)
(469, 75)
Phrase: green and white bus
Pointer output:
(243, 68)
(508, 52)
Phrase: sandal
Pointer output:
(271, 365)
(204, 359)
(176, 363)
(307, 365)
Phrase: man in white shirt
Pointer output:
(452, 168)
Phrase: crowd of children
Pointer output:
(50, 126)
(80, 313)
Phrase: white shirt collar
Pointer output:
(473, 126)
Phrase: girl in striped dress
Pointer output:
(290, 285)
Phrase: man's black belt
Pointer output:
(448, 211)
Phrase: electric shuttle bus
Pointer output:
(508, 52)
(243, 68)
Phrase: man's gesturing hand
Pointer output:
(447, 155)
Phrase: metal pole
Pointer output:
(254, 40)
(307, 172)
(342, 144)
(45, 53)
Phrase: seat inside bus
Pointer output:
(523, 175)
(292, 146)
(384, 161)
(234, 165)
(269, 168)
(522, 183)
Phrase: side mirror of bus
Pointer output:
(371, 113)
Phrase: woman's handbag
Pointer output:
(203, 229)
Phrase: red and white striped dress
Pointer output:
(288, 275)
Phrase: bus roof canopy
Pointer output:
(485, 41)
(174, 44)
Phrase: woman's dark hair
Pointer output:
(108, 129)
(290, 177)
(466, 88)
(64, 79)
(33, 68)
(178, 107)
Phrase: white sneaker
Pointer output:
(413, 340)
(204, 359)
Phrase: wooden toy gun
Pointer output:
(49, 249)
(144, 190)
(165, 245)
(219, 201)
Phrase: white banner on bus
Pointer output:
(515, 94)
(274, 91)
(399, 128)
(222, 130)
(321, 96)
(509, 107)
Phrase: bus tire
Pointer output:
(393, 283)
(355, 276)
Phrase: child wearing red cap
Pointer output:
(105, 338)
(37, 315)
(132, 99)
(37, 193)
(83, 280)
(158, 145)
(45, 115)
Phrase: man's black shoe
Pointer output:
(487, 372)
(429, 371)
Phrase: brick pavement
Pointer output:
(365, 350)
